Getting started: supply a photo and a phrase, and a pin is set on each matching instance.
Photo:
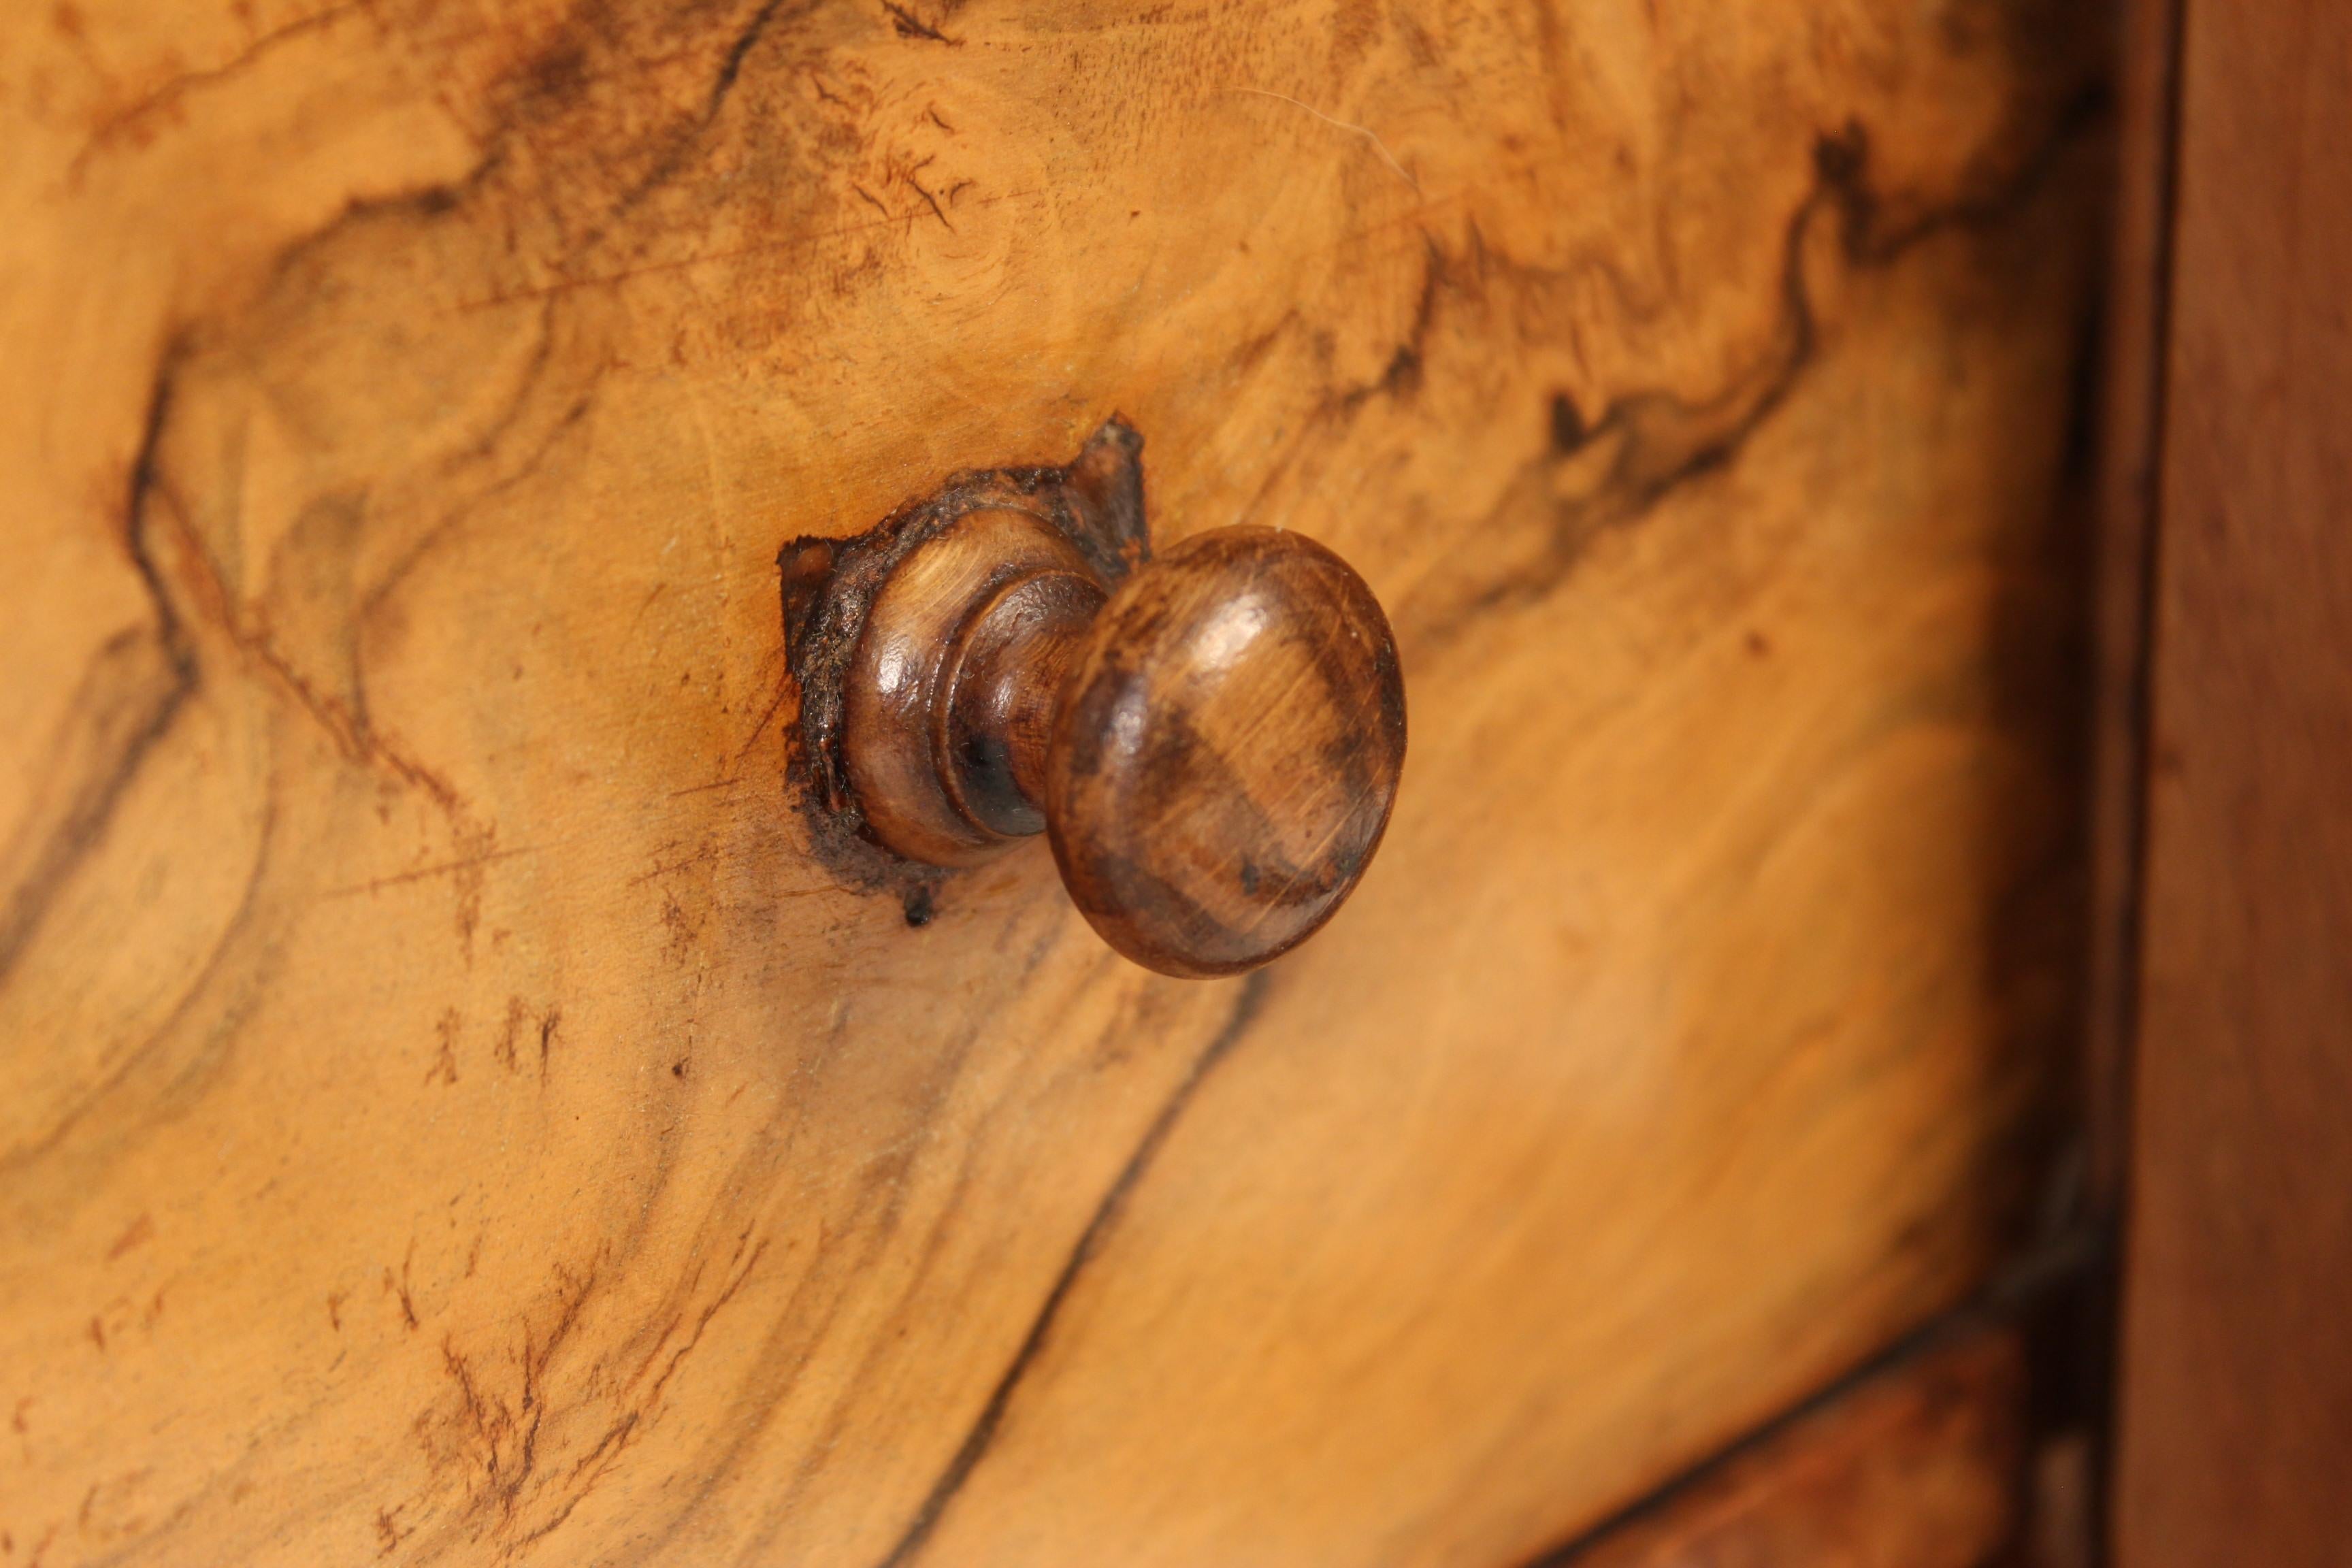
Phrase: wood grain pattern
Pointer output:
(2236, 1415)
(1918, 1465)
(455, 1112)
(1226, 754)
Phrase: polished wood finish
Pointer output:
(930, 645)
(1919, 1465)
(1211, 740)
(462, 1104)
(2236, 1413)
(1226, 752)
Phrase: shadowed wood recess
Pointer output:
(1920, 1465)
(451, 1111)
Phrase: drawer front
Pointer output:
(455, 1107)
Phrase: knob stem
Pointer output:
(1005, 681)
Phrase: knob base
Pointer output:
(950, 697)
(899, 811)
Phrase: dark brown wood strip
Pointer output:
(1917, 1465)
(2236, 1413)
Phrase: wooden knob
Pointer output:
(1212, 745)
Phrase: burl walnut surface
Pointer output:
(455, 1108)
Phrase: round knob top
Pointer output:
(1226, 753)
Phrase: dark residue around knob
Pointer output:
(829, 585)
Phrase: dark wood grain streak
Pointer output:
(1657, 441)
(2131, 414)
(1249, 997)
(126, 699)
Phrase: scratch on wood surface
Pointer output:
(439, 869)
(706, 788)
(398, 1286)
(140, 1230)
(793, 243)
(786, 690)
(1366, 132)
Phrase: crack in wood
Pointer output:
(1248, 1002)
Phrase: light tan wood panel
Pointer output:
(450, 1115)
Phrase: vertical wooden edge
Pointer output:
(2233, 1415)
(1919, 1460)
(2130, 443)
(2130, 450)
